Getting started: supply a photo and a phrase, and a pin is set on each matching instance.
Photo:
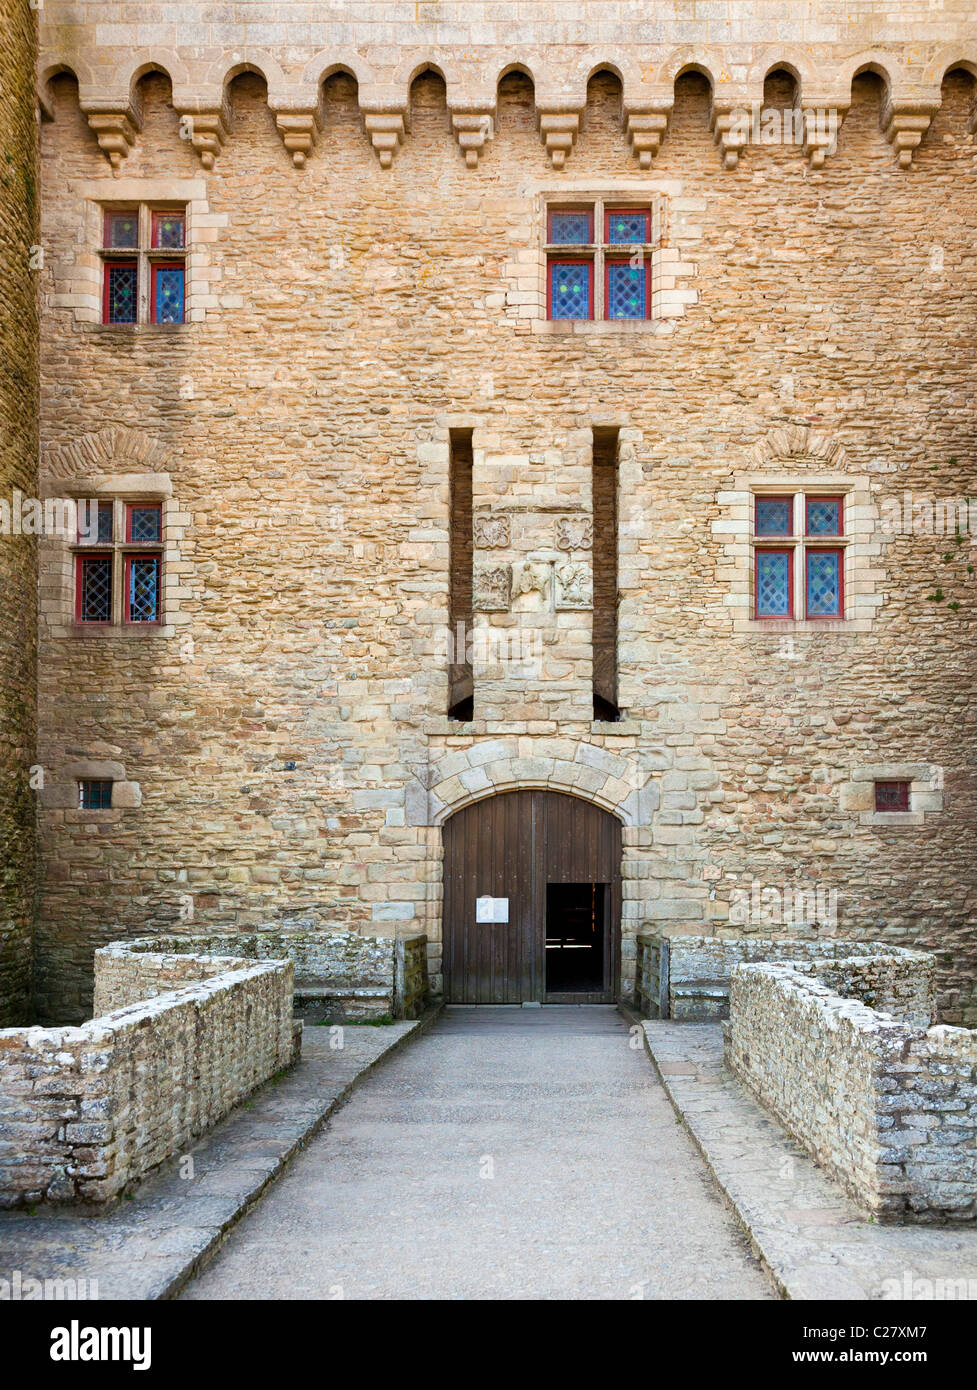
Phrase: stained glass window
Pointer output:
(121, 285)
(169, 230)
(570, 290)
(773, 516)
(94, 794)
(626, 296)
(823, 516)
(773, 583)
(823, 583)
(145, 523)
(892, 796)
(168, 283)
(122, 230)
(571, 228)
(95, 522)
(94, 589)
(142, 589)
(627, 228)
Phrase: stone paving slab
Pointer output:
(150, 1244)
(813, 1240)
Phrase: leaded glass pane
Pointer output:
(570, 291)
(122, 230)
(96, 589)
(627, 228)
(625, 291)
(823, 584)
(570, 228)
(773, 516)
(773, 583)
(823, 516)
(168, 230)
(123, 282)
(144, 523)
(105, 523)
(143, 589)
(169, 294)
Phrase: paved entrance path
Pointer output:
(509, 1153)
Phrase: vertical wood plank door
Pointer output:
(514, 846)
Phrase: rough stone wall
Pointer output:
(887, 1107)
(19, 238)
(819, 321)
(86, 1111)
(688, 977)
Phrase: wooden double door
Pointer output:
(550, 864)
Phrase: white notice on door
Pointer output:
(491, 909)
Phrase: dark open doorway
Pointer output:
(574, 938)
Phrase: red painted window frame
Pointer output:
(588, 208)
(629, 212)
(609, 260)
(80, 561)
(166, 212)
(118, 212)
(107, 268)
(904, 796)
(826, 550)
(165, 265)
(98, 512)
(787, 550)
(826, 497)
(128, 559)
(787, 497)
(143, 507)
(554, 260)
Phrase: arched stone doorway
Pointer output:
(551, 865)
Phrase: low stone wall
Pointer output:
(886, 1104)
(86, 1111)
(338, 974)
(687, 977)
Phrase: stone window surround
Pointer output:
(925, 793)
(61, 792)
(524, 300)
(78, 284)
(57, 556)
(859, 542)
(599, 251)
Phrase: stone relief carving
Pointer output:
(491, 588)
(529, 580)
(491, 532)
(574, 532)
(574, 585)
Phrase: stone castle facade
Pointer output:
(370, 428)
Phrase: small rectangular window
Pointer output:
(627, 290)
(142, 588)
(94, 794)
(774, 589)
(144, 523)
(824, 583)
(892, 796)
(627, 226)
(570, 226)
(570, 289)
(774, 516)
(168, 292)
(169, 231)
(120, 301)
(122, 230)
(93, 589)
(823, 516)
(95, 523)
